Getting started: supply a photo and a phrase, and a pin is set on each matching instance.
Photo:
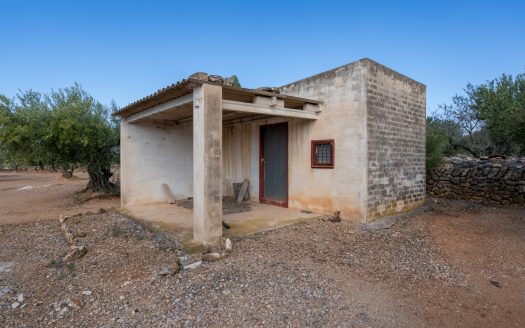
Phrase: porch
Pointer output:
(243, 219)
(175, 137)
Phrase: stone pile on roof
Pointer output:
(231, 81)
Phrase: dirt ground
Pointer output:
(455, 264)
(31, 196)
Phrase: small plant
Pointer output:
(57, 264)
(138, 236)
(70, 266)
(116, 232)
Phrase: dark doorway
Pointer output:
(273, 168)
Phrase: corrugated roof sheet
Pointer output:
(168, 93)
(186, 86)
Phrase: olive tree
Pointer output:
(500, 104)
(488, 119)
(22, 123)
(65, 128)
(81, 131)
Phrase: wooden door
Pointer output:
(273, 170)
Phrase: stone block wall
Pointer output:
(396, 116)
(497, 181)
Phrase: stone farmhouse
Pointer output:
(351, 139)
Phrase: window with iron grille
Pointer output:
(323, 154)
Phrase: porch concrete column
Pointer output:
(207, 164)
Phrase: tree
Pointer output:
(500, 104)
(23, 122)
(465, 130)
(489, 119)
(80, 131)
(4, 117)
(437, 142)
(66, 128)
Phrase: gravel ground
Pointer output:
(310, 274)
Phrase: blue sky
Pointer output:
(124, 50)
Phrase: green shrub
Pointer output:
(436, 144)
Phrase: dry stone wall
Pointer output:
(497, 181)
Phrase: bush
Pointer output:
(436, 143)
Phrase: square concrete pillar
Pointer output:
(207, 164)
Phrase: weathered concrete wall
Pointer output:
(153, 155)
(377, 119)
(396, 111)
(240, 151)
(494, 181)
(344, 120)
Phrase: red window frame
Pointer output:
(315, 164)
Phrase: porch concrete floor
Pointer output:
(177, 221)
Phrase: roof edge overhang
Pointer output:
(186, 86)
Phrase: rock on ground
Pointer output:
(428, 270)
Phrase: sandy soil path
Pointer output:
(36, 196)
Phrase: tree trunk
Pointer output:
(67, 172)
(457, 146)
(99, 181)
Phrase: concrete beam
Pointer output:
(267, 110)
(268, 101)
(313, 108)
(207, 164)
(251, 118)
(160, 108)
